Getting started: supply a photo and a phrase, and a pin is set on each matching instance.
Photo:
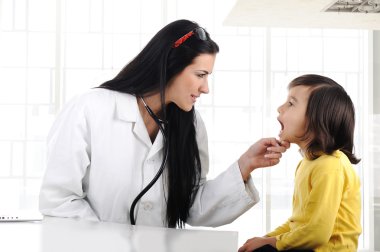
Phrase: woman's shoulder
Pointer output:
(199, 123)
(200, 126)
(99, 97)
(97, 102)
(101, 94)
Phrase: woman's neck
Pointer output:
(153, 102)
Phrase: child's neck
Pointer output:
(302, 149)
(302, 145)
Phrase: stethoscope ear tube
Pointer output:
(160, 123)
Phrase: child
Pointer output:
(319, 117)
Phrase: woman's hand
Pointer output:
(257, 242)
(265, 152)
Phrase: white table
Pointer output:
(72, 235)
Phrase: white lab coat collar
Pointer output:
(128, 110)
(126, 107)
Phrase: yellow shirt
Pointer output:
(326, 207)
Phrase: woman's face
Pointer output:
(188, 85)
(292, 115)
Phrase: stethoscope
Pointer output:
(160, 124)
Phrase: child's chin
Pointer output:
(284, 138)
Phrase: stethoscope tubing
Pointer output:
(160, 124)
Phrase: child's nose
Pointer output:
(279, 109)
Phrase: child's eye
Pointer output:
(290, 103)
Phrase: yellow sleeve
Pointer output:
(321, 208)
(284, 228)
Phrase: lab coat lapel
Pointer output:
(141, 132)
(157, 145)
(128, 110)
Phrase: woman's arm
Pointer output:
(221, 200)
(62, 192)
(265, 152)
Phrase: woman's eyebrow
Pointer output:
(204, 71)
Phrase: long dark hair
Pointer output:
(330, 117)
(149, 73)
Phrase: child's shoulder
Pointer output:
(326, 162)
(337, 156)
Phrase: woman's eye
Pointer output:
(290, 103)
(201, 75)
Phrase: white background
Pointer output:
(51, 50)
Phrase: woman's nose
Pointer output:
(204, 88)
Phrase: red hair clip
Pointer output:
(183, 39)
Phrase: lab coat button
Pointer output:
(148, 206)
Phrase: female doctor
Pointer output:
(135, 151)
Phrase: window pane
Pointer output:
(39, 85)
(196, 10)
(39, 121)
(77, 18)
(257, 53)
(6, 17)
(14, 126)
(35, 158)
(278, 53)
(122, 16)
(41, 49)
(13, 49)
(18, 151)
(88, 46)
(151, 16)
(338, 51)
(42, 15)
(20, 14)
(231, 56)
(80, 80)
(309, 60)
(5, 158)
(124, 48)
(96, 14)
(232, 88)
(258, 87)
(231, 124)
(12, 85)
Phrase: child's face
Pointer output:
(292, 115)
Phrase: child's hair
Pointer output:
(330, 117)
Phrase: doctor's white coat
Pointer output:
(100, 157)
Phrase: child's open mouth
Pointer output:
(282, 125)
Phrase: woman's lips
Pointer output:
(194, 98)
